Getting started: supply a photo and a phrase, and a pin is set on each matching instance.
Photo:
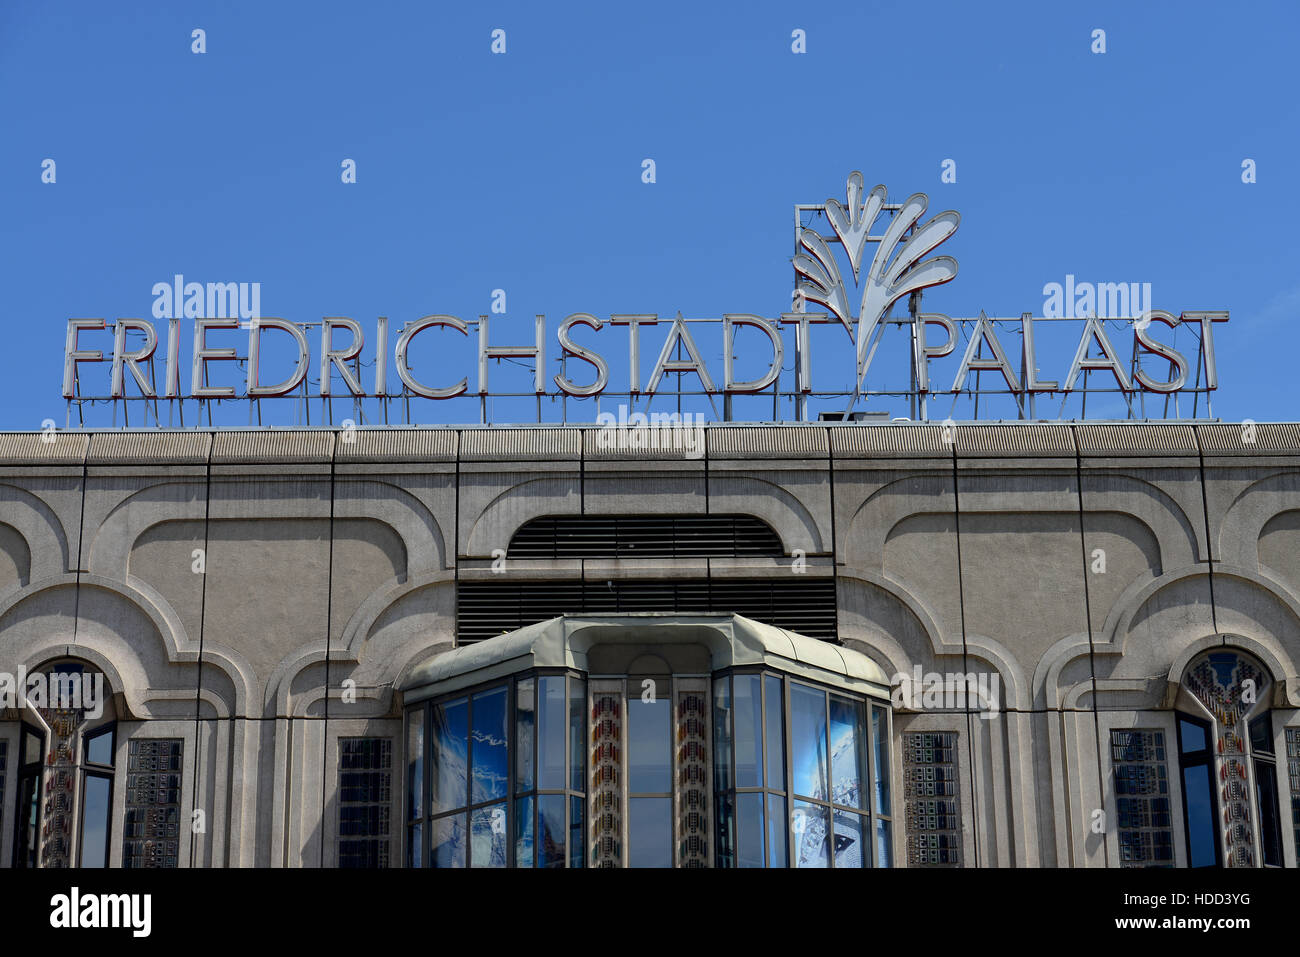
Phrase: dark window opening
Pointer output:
(645, 536)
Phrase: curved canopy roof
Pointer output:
(564, 642)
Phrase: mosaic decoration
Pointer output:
(151, 832)
(1145, 832)
(932, 810)
(606, 792)
(365, 801)
(1220, 681)
(60, 785)
(692, 780)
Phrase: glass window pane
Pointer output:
(577, 733)
(650, 832)
(550, 827)
(94, 820)
(32, 748)
(99, 748)
(725, 827)
(449, 841)
(749, 829)
(449, 765)
(880, 742)
(1193, 736)
(774, 709)
(808, 740)
(1261, 734)
(551, 722)
(524, 832)
(1270, 832)
(576, 830)
(415, 846)
(884, 844)
(489, 756)
(776, 836)
(811, 844)
(1200, 816)
(848, 847)
(721, 738)
(848, 751)
(415, 764)
(525, 724)
(487, 828)
(649, 744)
(748, 718)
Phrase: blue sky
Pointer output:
(523, 171)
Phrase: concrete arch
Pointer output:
(1251, 509)
(40, 527)
(779, 508)
(178, 647)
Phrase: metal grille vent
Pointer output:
(645, 536)
(485, 609)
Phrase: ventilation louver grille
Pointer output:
(645, 536)
(804, 605)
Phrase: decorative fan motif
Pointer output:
(897, 267)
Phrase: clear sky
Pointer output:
(522, 171)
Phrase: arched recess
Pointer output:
(156, 637)
(1251, 509)
(875, 518)
(146, 508)
(361, 627)
(40, 527)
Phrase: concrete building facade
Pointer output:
(1064, 645)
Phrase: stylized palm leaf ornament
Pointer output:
(890, 276)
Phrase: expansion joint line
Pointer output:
(965, 665)
(1092, 656)
(198, 680)
(1209, 542)
(329, 624)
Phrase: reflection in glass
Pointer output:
(550, 828)
(808, 740)
(99, 749)
(649, 745)
(487, 828)
(1193, 736)
(650, 832)
(847, 751)
(880, 736)
(773, 708)
(776, 831)
(1200, 816)
(577, 734)
(576, 831)
(848, 847)
(449, 841)
(94, 820)
(524, 832)
(721, 739)
(550, 732)
(1270, 831)
(749, 829)
(415, 765)
(448, 760)
(489, 750)
(525, 724)
(415, 845)
(884, 844)
(749, 740)
(725, 827)
(811, 837)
